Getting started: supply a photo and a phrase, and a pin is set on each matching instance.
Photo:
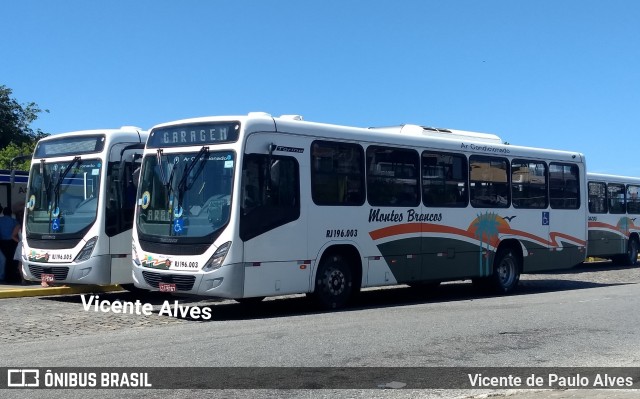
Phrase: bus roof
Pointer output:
(86, 141)
(403, 135)
(124, 129)
(613, 178)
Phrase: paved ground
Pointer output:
(47, 315)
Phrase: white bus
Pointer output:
(614, 217)
(251, 206)
(80, 204)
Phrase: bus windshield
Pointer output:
(185, 194)
(63, 196)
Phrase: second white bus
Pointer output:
(614, 217)
(80, 204)
(251, 206)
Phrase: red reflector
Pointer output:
(302, 267)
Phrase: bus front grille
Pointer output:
(59, 272)
(183, 283)
(173, 249)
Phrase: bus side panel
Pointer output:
(606, 243)
(120, 252)
(402, 257)
(567, 238)
(449, 258)
(276, 269)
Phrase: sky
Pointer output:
(560, 74)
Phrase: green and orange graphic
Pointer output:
(624, 226)
(487, 229)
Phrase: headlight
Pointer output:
(134, 254)
(218, 257)
(86, 251)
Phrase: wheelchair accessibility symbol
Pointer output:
(178, 226)
(545, 218)
(55, 224)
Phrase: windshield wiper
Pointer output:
(56, 188)
(159, 162)
(182, 185)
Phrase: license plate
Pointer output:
(47, 278)
(167, 287)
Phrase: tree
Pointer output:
(14, 150)
(17, 137)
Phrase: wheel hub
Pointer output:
(336, 282)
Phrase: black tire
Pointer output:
(249, 301)
(506, 272)
(334, 283)
(631, 259)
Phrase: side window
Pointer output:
(529, 184)
(615, 194)
(444, 180)
(633, 199)
(564, 186)
(270, 194)
(489, 182)
(392, 176)
(337, 173)
(597, 197)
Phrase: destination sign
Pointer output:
(70, 146)
(197, 134)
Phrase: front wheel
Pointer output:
(333, 283)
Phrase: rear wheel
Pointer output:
(506, 272)
(632, 252)
(333, 283)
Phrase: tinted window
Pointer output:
(564, 186)
(633, 199)
(270, 194)
(597, 197)
(444, 180)
(392, 176)
(489, 182)
(529, 184)
(337, 173)
(615, 194)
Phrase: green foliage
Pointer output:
(14, 150)
(17, 138)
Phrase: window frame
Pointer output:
(527, 201)
(360, 174)
(606, 201)
(472, 188)
(465, 170)
(392, 183)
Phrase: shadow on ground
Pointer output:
(300, 305)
